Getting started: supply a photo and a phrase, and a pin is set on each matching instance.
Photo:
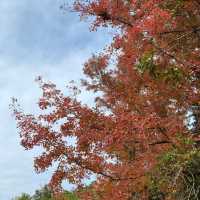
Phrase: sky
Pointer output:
(37, 38)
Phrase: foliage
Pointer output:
(70, 196)
(177, 175)
(23, 196)
(46, 194)
(171, 74)
(142, 101)
(43, 194)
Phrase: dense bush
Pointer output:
(177, 175)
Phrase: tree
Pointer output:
(45, 193)
(143, 97)
(176, 175)
(23, 196)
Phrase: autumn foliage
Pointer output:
(145, 83)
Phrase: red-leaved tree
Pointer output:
(142, 100)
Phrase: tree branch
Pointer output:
(112, 178)
(160, 142)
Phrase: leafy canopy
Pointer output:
(141, 105)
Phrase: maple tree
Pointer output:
(145, 82)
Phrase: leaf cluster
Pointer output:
(169, 74)
(177, 174)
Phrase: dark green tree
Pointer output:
(46, 194)
(43, 194)
(23, 196)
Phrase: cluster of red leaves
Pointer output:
(138, 114)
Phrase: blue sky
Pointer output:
(36, 38)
